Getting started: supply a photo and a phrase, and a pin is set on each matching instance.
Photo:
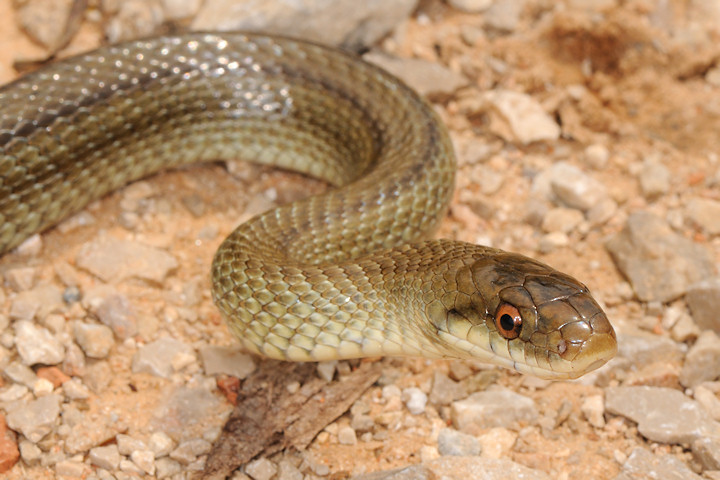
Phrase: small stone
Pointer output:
(702, 362)
(180, 9)
(654, 179)
(75, 390)
(703, 299)
(71, 469)
(705, 214)
(20, 373)
(663, 414)
(326, 370)
(134, 19)
(29, 452)
(187, 411)
(596, 155)
(113, 260)
(157, 358)
(601, 212)
(501, 408)
(161, 444)
(415, 400)
(46, 21)
(497, 442)
(347, 436)
(36, 418)
(187, 452)
(288, 471)
(562, 219)
(105, 457)
(114, 310)
(573, 188)
(518, 117)
(21, 279)
(37, 345)
(552, 241)
(127, 444)
(36, 303)
(708, 401)
(706, 451)
(593, 409)
(427, 78)
(444, 391)
(261, 469)
(470, 6)
(13, 392)
(646, 249)
(227, 361)
(145, 459)
(504, 15)
(448, 467)
(643, 464)
(452, 442)
(42, 387)
(95, 340)
(167, 467)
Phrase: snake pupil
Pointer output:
(506, 322)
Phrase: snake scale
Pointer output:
(348, 273)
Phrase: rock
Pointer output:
(594, 410)
(343, 22)
(162, 357)
(429, 79)
(288, 471)
(347, 436)
(105, 457)
(9, 452)
(75, 390)
(415, 400)
(501, 408)
(482, 468)
(261, 469)
(227, 361)
(662, 414)
(703, 299)
(326, 370)
(596, 155)
(562, 219)
(705, 214)
(95, 340)
(452, 442)
(702, 362)
(72, 469)
(642, 464)
(413, 472)
(134, 19)
(188, 451)
(35, 418)
(504, 15)
(21, 374)
(470, 6)
(113, 260)
(36, 303)
(145, 460)
(161, 444)
(444, 391)
(187, 412)
(46, 21)
(127, 444)
(116, 311)
(517, 117)
(706, 452)
(654, 179)
(180, 9)
(708, 401)
(37, 345)
(497, 442)
(646, 249)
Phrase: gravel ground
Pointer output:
(586, 135)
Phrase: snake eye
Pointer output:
(508, 321)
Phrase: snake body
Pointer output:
(348, 273)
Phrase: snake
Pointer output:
(352, 272)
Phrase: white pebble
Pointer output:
(415, 400)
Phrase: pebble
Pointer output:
(42, 387)
(430, 79)
(36, 418)
(706, 451)
(160, 357)
(569, 186)
(663, 414)
(500, 408)
(188, 411)
(517, 117)
(180, 9)
(127, 444)
(21, 279)
(413, 472)
(702, 362)
(703, 299)
(261, 469)
(134, 19)
(646, 249)
(562, 219)
(485, 468)
(415, 400)
(46, 21)
(347, 22)
(161, 444)
(226, 361)
(114, 260)
(708, 400)
(497, 442)
(36, 303)
(452, 442)
(72, 469)
(705, 214)
(19, 373)
(95, 340)
(504, 15)
(105, 457)
(326, 370)
(145, 460)
(470, 6)
(188, 451)
(288, 471)
(654, 179)
(593, 409)
(596, 156)
(37, 345)
(347, 436)
(29, 452)
(75, 390)
(167, 467)
(643, 464)
(116, 311)
(444, 390)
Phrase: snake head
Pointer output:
(516, 312)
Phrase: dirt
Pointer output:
(648, 98)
